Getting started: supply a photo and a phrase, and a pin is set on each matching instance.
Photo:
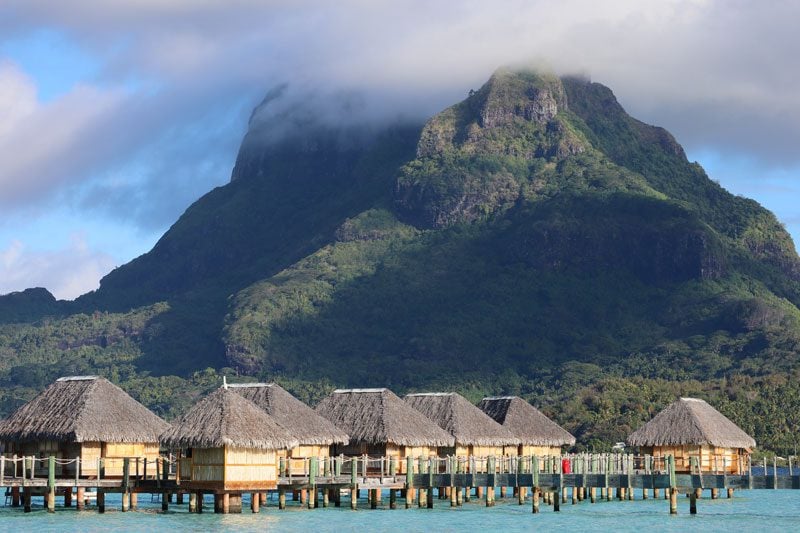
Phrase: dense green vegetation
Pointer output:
(533, 239)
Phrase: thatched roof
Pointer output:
(455, 414)
(299, 419)
(379, 416)
(691, 421)
(226, 418)
(82, 409)
(525, 422)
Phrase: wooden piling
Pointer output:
(68, 497)
(714, 493)
(226, 503)
(80, 498)
(134, 501)
(556, 502)
(563, 494)
(26, 499)
(429, 499)
(392, 499)
(101, 500)
(193, 502)
(326, 496)
(15, 499)
(693, 502)
(673, 500)
(656, 493)
(303, 497)
(164, 502)
(422, 498)
(354, 497)
(730, 492)
(255, 501)
(535, 498)
(574, 495)
(479, 492)
(199, 502)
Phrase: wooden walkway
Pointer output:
(338, 479)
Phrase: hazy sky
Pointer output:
(115, 116)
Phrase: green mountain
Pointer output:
(532, 239)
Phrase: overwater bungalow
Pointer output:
(84, 417)
(315, 433)
(379, 423)
(691, 429)
(474, 432)
(227, 443)
(537, 433)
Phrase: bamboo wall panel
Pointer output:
(90, 453)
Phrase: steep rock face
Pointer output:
(477, 157)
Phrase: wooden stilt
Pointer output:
(714, 494)
(68, 497)
(26, 499)
(563, 494)
(15, 499)
(179, 498)
(199, 502)
(644, 494)
(593, 494)
(392, 499)
(422, 498)
(80, 498)
(126, 501)
(354, 497)
(489, 496)
(226, 503)
(429, 499)
(303, 496)
(193, 502)
(101, 500)
(255, 501)
(730, 493)
(51, 500)
(281, 499)
(698, 493)
(556, 502)
(164, 502)
(673, 500)
(693, 502)
(503, 492)
(479, 492)
(134, 501)
(453, 496)
(326, 496)
(574, 495)
(535, 499)
(656, 494)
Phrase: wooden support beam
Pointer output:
(81, 498)
(101, 500)
(255, 501)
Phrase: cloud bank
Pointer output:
(159, 120)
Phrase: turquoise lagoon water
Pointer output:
(761, 510)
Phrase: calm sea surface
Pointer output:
(760, 510)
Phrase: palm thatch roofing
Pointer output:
(379, 416)
(299, 419)
(525, 422)
(691, 421)
(224, 418)
(82, 409)
(455, 414)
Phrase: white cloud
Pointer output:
(67, 272)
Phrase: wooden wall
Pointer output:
(710, 458)
(230, 468)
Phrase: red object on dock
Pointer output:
(566, 468)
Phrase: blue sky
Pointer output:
(115, 116)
